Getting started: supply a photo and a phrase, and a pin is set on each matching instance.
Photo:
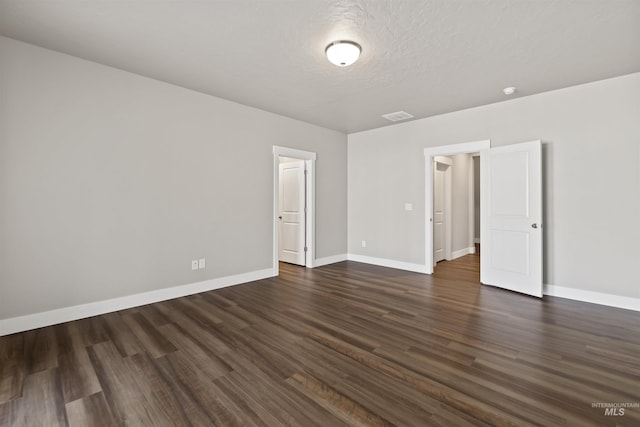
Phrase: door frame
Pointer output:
(447, 188)
(429, 154)
(310, 223)
(472, 201)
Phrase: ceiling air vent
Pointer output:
(397, 116)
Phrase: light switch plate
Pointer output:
(408, 206)
(201, 263)
(194, 264)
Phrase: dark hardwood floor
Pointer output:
(345, 344)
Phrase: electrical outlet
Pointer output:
(408, 206)
(201, 263)
(364, 243)
(194, 264)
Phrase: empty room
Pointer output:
(320, 213)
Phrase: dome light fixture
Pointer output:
(343, 52)
(509, 90)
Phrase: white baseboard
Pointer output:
(462, 252)
(67, 314)
(330, 260)
(618, 301)
(391, 263)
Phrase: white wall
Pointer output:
(591, 155)
(111, 183)
(460, 200)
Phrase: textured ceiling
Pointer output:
(424, 57)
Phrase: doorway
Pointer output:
(292, 211)
(454, 213)
(442, 208)
(297, 191)
(432, 155)
(511, 211)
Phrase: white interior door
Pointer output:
(438, 212)
(511, 215)
(291, 236)
(441, 208)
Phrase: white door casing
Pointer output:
(430, 154)
(310, 164)
(511, 217)
(291, 236)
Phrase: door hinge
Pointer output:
(305, 171)
(305, 249)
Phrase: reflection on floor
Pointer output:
(339, 345)
(463, 269)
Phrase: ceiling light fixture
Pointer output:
(509, 90)
(343, 52)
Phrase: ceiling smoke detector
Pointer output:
(397, 116)
(509, 90)
(343, 52)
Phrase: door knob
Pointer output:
(280, 217)
(534, 225)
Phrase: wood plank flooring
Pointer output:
(344, 344)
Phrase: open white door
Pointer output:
(511, 216)
(291, 235)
